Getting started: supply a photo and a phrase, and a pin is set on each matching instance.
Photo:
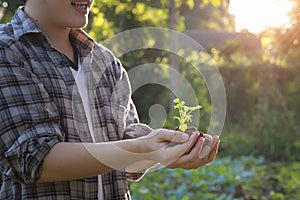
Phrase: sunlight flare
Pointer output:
(257, 15)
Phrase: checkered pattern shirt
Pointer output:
(40, 107)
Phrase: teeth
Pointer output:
(80, 4)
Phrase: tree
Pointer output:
(213, 16)
(112, 16)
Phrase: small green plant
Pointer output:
(184, 113)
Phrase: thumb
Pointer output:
(174, 136)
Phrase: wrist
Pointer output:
(139, 145)
(144, 147)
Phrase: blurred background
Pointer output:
(256, 47)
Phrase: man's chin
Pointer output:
(78, 24)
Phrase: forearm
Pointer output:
(69, 161)
(141, 166)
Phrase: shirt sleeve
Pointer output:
(132, 126)
(126, 115)
(29, 121)
(133, 131)
(124, 111)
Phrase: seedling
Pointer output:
(184, 113)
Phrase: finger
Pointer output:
(207, 136)
(215, 139)
(205, 150)
(182, 148)
(208, 145)
(182, 162)
(208, 140)
(173, 136)
(196, 139)
(214, 152)
(190, 158)
(173, 153)
(196, 148)
(189, 161)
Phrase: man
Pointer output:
(68, 127)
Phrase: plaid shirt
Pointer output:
(40, 106)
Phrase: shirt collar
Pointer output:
(23, 24)
(83, 41)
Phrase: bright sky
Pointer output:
(256, 15)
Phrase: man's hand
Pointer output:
(156, 145)
(193, 159)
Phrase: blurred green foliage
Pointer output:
(111, 16)
(263, 106)
(227, 178)
(7, 10)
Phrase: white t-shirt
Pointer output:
(81, 82)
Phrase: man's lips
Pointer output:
(81, 5)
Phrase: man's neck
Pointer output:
(57, 36)
(60, 41)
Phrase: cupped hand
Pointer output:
(200, 155)
(157, 145)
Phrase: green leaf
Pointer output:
(195, 107)
(189, 118)
(182, 103)
(186, 109)
(177, 118)
(177, 106)
(176, 100)
(183, 127)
